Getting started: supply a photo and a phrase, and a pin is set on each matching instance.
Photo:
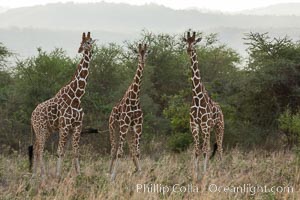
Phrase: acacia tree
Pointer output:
(4, 54)
(273, 78)
(6, 80)
(38, 79)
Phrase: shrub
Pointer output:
(179, 142)
(289, 123)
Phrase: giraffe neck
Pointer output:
(198, 87)
(136, 84)
(79, 80)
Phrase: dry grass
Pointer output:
(237, 168)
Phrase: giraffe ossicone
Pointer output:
(127, 117)
(62, 113)
(205, 114)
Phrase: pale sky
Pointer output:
(219, 5)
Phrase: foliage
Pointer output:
(253, 95)
(39, 78)
(4, 54)
(5, 77)
(272, 78)
(178, 113)
(179, 142)
(289, 123)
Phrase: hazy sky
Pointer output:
(221, 5)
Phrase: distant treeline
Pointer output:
(260, 98)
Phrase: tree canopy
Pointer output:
(254, 95)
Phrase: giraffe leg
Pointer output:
(35, 156)
(219, 139)
(113, 141)
(136, 146)
(206, 146)
(40, 154)
(38, 149)
(131, 141)
(195, 132)
(75, 146)
(123, 131)
(131, 145)
(63, 133)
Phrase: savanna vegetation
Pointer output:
(259, 95)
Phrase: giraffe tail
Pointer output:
(214, 151)
(30, 156)
(30, 151)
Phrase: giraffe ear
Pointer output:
(198, 40)
(93, 41)
(135, 51)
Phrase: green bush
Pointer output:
(177, 112)
(289, 123)
(180, 142)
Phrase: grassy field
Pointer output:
(235, 177)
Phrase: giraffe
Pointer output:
(127, 116)
(62, 114)
(205, 114)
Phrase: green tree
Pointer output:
(6, 80)
(105, 83)
(38, 79)
(4, 54)
(5, 77)
(272, 78)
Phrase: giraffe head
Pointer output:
(142, 52)
(191, 41)
(86, 43)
